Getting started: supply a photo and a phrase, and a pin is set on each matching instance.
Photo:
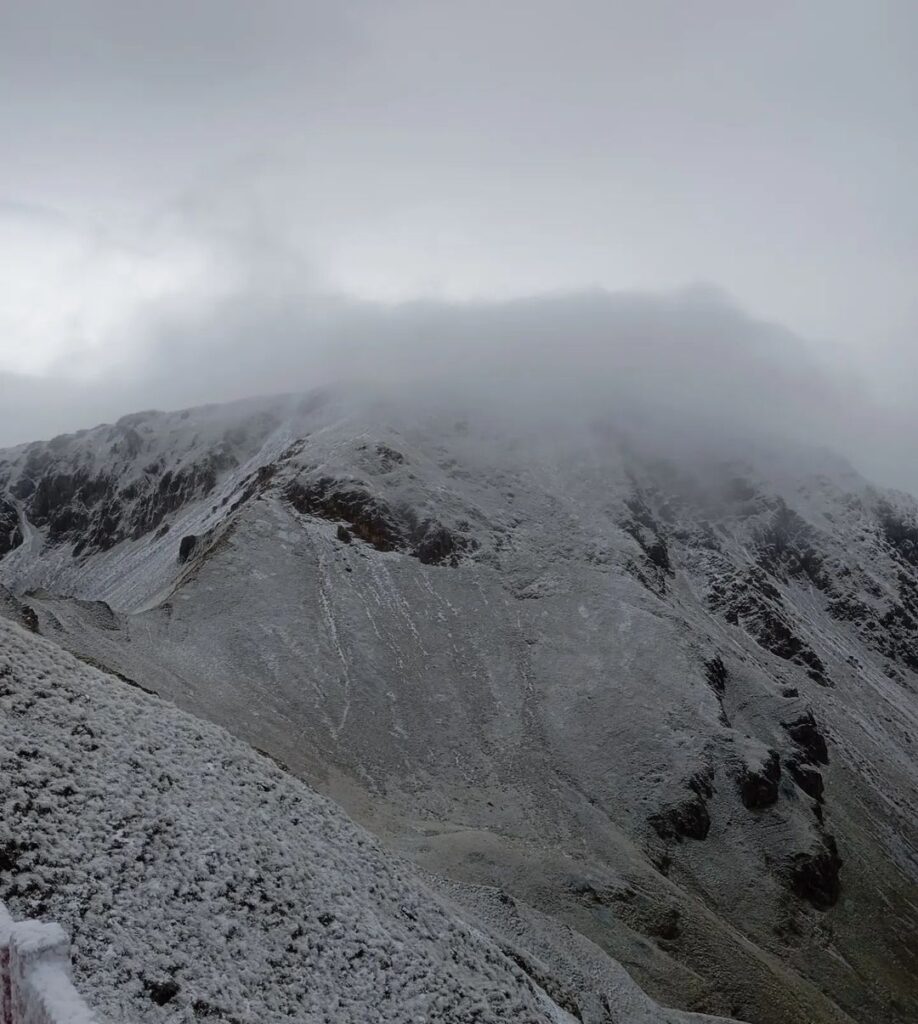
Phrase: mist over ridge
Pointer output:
(684, 365)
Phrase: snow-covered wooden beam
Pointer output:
(35, 985)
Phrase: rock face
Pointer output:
(10, 532)
(371, 519)
(805, 733)
(687, 818)
(186, 546)
(99, 488)
(554, 665)
(759, 786)
(808, 779)
(815, 874)
(368, 517)
(750, 600)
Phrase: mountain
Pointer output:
(199, 881)
(664, 693)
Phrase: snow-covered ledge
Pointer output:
(35, 985)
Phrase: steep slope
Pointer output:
(202, 882)
(668, 701)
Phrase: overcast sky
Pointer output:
(181, 178)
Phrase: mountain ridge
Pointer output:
(629, 689)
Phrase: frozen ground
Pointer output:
(200, 881)
(669, 702)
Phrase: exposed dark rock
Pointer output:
(899, 533)
(28, 618)
(370, 518)
(93, 513)
(373, 520)
(186, 546)
(759, 786)
(701, 535)
(688, 818)
(889, 628)
(814, 876)
(344, 534)
(256, 483)
(847, 608)
(643, 527)
(747, 599)
(805, 732)
(716, 672)
(786, 548)
(10, 532)
(809, 779)
(388, 458)
(701, 783)
(438, 545)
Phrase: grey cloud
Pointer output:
(315, 164)
(689, 364)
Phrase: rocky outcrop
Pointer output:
(10, 532)
(187, 546)
(899, 532)
(806, 734)
(884, 624)
(438, 545)
(786, 548)
(747, 599)
(384, 458)
(96, 511)
(815, 875)
(758, 786)
(369, 517)
(687, 818)
(716, 674)
(643, 527)
(809, 779)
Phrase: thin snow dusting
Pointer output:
(664, 696)
(199, 881)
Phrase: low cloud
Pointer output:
(688, 364)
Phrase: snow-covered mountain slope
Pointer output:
(202, 882)
(668, 700)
